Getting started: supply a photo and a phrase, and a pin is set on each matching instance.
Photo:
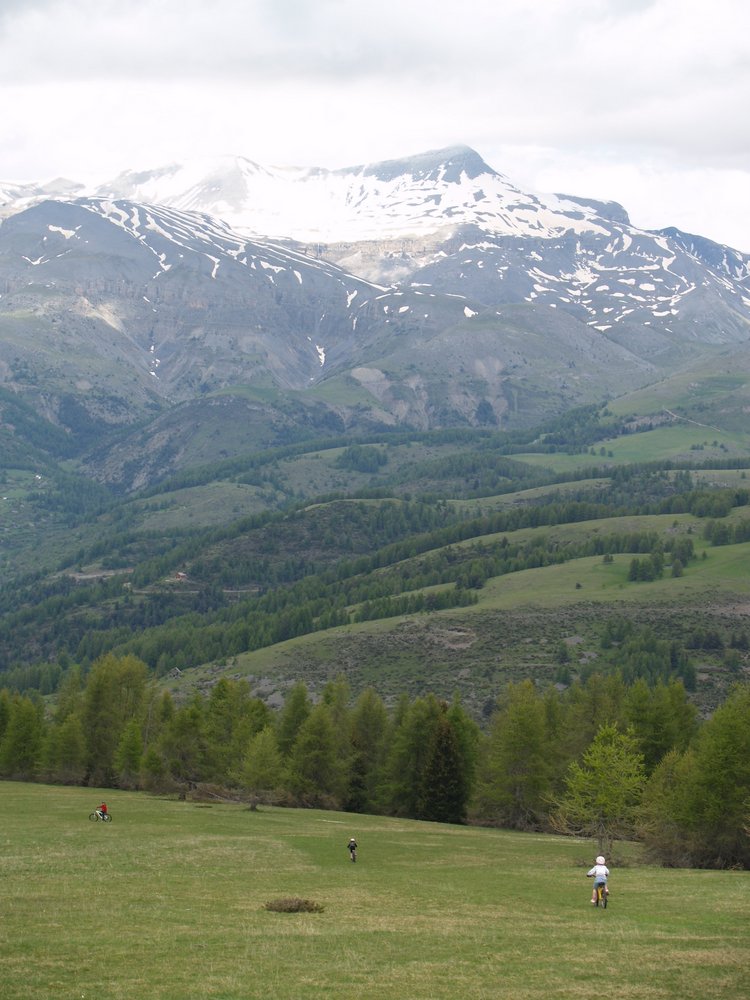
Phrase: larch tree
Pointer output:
(263, 770)
(603, 791)
(516, 771)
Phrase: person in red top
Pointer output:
(102, 810)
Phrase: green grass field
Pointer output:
(167, 901)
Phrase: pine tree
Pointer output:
(408, 754)
(64, 752)
(443, 792)
(718, 788)
(5, 710)
(183, 744)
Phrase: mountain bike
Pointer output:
(95, 816)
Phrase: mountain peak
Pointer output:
(447, 165)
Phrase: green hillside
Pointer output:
(369, 557)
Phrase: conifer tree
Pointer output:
(64, 753)
(315, 769)
(5, 710)
(603, 791)
(263, 769)
(297, 707)
(407, 756)
(183, 744)
(717, 790)
(516, 773)
(114, 695)
(443, 792)
(369, 731)
(21, 746)
(129, 756)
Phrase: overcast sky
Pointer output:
(645, 102)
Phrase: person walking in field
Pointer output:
(600, 874)
(352, 848)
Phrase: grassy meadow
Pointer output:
(167, 903)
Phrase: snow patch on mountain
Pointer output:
(420, 195)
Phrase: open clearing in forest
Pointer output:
(167, 903)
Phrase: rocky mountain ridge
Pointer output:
(424, 292)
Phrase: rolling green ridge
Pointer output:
(355, 556)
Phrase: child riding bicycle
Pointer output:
(600, 874)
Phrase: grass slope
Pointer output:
(167, 903)
(514, 630)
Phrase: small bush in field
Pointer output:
(293, 905)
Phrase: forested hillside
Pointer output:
(453, 625)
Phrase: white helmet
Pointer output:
(600, 860)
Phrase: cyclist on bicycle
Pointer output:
(102, 810)
(600, 874)
(352, 848)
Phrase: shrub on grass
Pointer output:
(293, 904)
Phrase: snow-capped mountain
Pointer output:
(15, 197)
(428, 291)
(389, 221)
(396, 199)
(417, 196)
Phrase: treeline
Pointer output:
(602, 758)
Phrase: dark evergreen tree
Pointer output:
(408, 755)
(718, 787)
(64, 752)
(444, 790)
(183, 744)
(369, 733)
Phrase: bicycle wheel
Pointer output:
(107, 817)
(604, 897)
(93, 817)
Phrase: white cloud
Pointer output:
(642, 102)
